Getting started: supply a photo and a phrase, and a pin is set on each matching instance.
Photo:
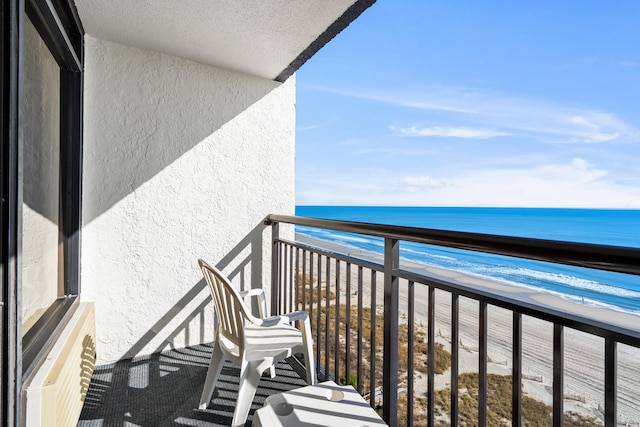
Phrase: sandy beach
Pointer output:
(583, 353)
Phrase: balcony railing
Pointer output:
(347, 337)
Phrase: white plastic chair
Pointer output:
(253, 344)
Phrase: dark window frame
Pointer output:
(10, 353)
(59, 26)
(61, 31)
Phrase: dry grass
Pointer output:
(421, 347)
(310, 293)
(534, 413)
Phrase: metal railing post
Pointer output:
(516, 373)
(431, 355)
(610, 383)
(390, 349)
(275, 268)
(455, 353)
(558, 375)
(482, 365)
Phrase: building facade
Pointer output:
(135, 140)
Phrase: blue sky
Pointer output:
(463, 103)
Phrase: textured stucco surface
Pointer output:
(181, 161)
(40, 177)
(260, 37)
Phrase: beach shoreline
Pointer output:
(584, 353)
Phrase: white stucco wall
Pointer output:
(181, 161)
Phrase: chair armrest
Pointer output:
(287, 318)
(262, 300)
(252, 293)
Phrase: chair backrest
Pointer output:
(230, 309)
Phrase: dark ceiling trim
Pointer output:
(334, 29)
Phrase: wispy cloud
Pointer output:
(453, 132)
(393, 151)
(439, 103)
(578, 170)
(316, 125)
(422, 104)
(574, 183)
(590, 60)
(414, 184)
(471, 113)
(590, 128)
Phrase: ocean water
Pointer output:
(587, 286)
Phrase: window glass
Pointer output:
(41, 245)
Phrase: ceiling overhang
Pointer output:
(265, 38)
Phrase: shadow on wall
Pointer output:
(143, 110)
(41, 125)
(252, 261)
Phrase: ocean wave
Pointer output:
(418, 255)
(521, 275)
(338, 238)
(565, 281)
(621, 302)
(598, 287)
(578, 289)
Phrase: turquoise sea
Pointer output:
(600, 226)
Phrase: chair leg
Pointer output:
(272, 371)
(250, 374)
(215, 366)
(309, 360)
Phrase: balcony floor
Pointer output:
(164, 389)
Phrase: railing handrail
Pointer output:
(619, 259)
(602, 257)
(540, 311)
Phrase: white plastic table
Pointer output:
(324, 404)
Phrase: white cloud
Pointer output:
(590, 60)
(578, 120)
(423, 105)
(591, 128)
(422, 181)
(316, 125)
(393, 151)
(575, 183)
(455, 132)
(439, 103)
(414, 184)
(477, 110)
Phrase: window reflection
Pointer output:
(41, 245)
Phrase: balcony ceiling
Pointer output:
(266, 38)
